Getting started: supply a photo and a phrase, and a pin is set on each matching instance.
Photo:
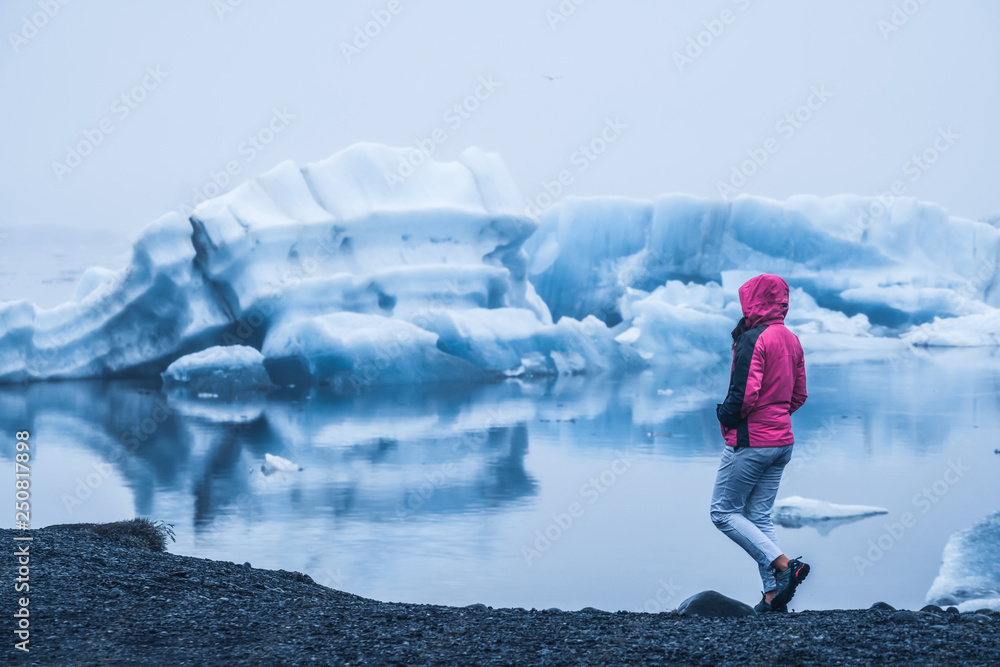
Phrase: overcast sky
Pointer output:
(183, 84)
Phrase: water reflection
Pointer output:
(823, 526)
(411, 466)
(411, 451)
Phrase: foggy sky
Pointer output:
(184, 85)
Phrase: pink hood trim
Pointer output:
(764, 300)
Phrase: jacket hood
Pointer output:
(764, 300)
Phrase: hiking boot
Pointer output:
(763, 607)
(788, 581)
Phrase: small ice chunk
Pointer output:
(273, 464)
(796, 511)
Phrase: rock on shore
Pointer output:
(99, 601)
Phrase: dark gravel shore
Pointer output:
(95, 600)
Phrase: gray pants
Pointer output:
(745, 488)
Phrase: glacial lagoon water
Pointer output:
(568, 492)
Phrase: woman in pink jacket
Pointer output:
(767, 384)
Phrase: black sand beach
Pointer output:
(98, 600)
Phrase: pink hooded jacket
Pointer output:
(768, 378)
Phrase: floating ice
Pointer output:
(218, 371)
(970, 569)
(979, 330)
(796, 511)
(273, 464)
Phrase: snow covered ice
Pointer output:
(338, 275)
(970, 570)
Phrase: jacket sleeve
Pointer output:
(799, 389)
(744, 383)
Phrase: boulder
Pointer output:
(906, 617)
(712, 604)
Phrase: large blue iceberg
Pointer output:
(340, 276)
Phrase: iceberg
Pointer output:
(290, 262)
(898, 265)
(685, 324)
(978, 330)
(689, 323)
(796, 512)
(338, 275)
(970, 570)
(218, 371)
